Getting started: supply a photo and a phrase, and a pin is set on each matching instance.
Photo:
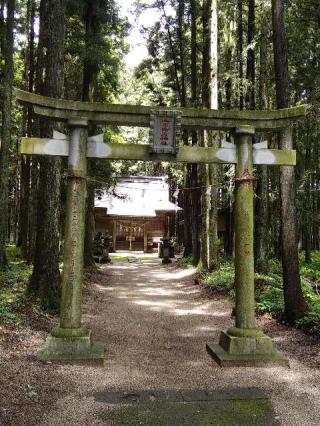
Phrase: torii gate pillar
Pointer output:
(244, 344)
(71, 341)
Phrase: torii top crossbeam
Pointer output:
(138, 115)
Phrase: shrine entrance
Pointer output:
(135, 212)
(129, 236)
(243, 344)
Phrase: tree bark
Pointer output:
(240, 51)
(194, 193)
(90, 71)
(187, 198)
(25, 196)
(6, 131)
(251, 72)
(45, 279)
(295, 305)
(2, 28)
(210, 173)
(262, 204)
(181, 37)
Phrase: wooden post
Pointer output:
(114, 235)
(145, 238)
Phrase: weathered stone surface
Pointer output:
(138, 115)
(138, 396)
(71, 297)
(244, 259)
(246, 345)
(185, 154)
(70, 341)
(177, 395)
(200, 413)
(225, 359)
(71, 348)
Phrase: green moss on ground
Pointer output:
(222, 413)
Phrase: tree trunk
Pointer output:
(187, 234)
(210, 173)
(308, 212)
(251, 73)
(45, 279)
(261, 201)
(187, 197)
(295, 305)
(194, 193)
(240, 51)
(25, 197)
(90, 228)
(6, 131)
(90, 71)
(2, 28)
(181, 37)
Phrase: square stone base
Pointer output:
(255, 351)
(71, 349)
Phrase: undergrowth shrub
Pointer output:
(222, 279)
(269, 288)
(185, 262)
(13, 285)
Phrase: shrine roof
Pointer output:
(139, 196)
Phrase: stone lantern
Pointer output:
(166, 250)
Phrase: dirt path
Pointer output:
(154, 323)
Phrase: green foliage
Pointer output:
(100, 50)
(311, 322)
(311, 270)
(269, 288)
(13, 285)
(222, 279)
(269, 297)
(185, 262)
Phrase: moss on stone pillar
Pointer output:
(71, 341)
(244, 344)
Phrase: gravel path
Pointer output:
(155, 322)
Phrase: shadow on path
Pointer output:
(155, 323)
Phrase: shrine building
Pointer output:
(135, 212)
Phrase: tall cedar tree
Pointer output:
(210, 175)
(25, 229)
(6, 131)
(45, 279)
(251, 72)
(187, 237)
(261, 202)
(295, 305)
(240, 51)
(192, 169)
(90, 71)
(2, 28)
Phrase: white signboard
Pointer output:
(164, 131)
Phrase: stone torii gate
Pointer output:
(243, 344)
